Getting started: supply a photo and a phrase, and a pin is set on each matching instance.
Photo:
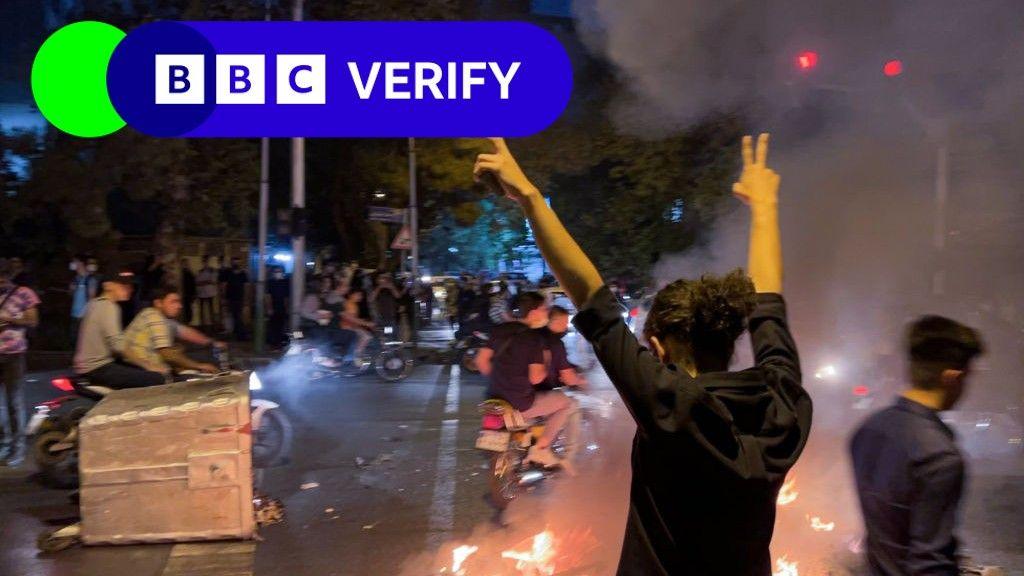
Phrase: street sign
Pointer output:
(386, 214)
(403, 241)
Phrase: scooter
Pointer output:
(386, 354)
(506, 437)
(54, 431)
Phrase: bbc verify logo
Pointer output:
(334, 79)
(240, 79)
(302, 79)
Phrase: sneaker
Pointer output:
(543, 456)
(17, 456)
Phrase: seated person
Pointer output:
(513, 359)
(320, 317)
(352, 322)
(150, 338)
(560, 371)
(98, 355)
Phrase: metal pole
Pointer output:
(941, 198)
(259, 302)
(298, 201)
(414, 234)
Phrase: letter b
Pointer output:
(241, 79)
(180, 79)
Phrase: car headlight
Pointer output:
(254, 381)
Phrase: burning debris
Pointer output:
(818, 526)
(459, 556)
(543, 554)
(783, 567)
(788, 494)
(539, 559)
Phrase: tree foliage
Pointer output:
(627, 199)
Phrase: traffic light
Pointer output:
(893, 68)
(807, 60)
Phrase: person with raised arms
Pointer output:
(712, 447)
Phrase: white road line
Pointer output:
(451, 400)
(442, 505)
(211, 559)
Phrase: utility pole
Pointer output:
(941, 199)
(259, 302)
(299, 203)
(414, 233)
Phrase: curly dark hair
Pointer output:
(708, 314)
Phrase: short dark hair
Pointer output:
(935, 344)
(528, 302)
(558, 311)
(708, 314)
(115, 272)
(163, 291)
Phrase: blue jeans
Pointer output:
(12, 371)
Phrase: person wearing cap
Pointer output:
(101, 339)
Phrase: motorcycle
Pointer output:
(506, 437)
(391, 358)
(465, 350)
(54, 431)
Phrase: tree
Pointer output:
(475, 236)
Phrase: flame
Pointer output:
(818, 526)
(784, 567)
(459, 556)
(539, 560)
(787, 494)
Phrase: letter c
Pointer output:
(295, 71)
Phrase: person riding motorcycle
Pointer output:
(561, 372)
(101, 343)
(514, 361)
(321, 318)
(151, 336)
(352, 321)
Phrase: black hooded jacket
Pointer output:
(711, 452)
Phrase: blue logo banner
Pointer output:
(339, 79)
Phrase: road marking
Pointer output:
(451, 400)
(211, 559)
(442, 505)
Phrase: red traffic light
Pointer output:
(893, 68)
(807, 60)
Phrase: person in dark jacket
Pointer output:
(909, 471)
(712, 447)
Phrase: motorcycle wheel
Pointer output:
(356, 367)
(272, 443)
(394, 364)
(76, 414)
(503, 483)
(469, 360)
(57, 469)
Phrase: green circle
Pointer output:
(69, 79)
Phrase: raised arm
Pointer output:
(575, 272)
(758, 188)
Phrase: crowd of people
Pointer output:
(712, 447)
